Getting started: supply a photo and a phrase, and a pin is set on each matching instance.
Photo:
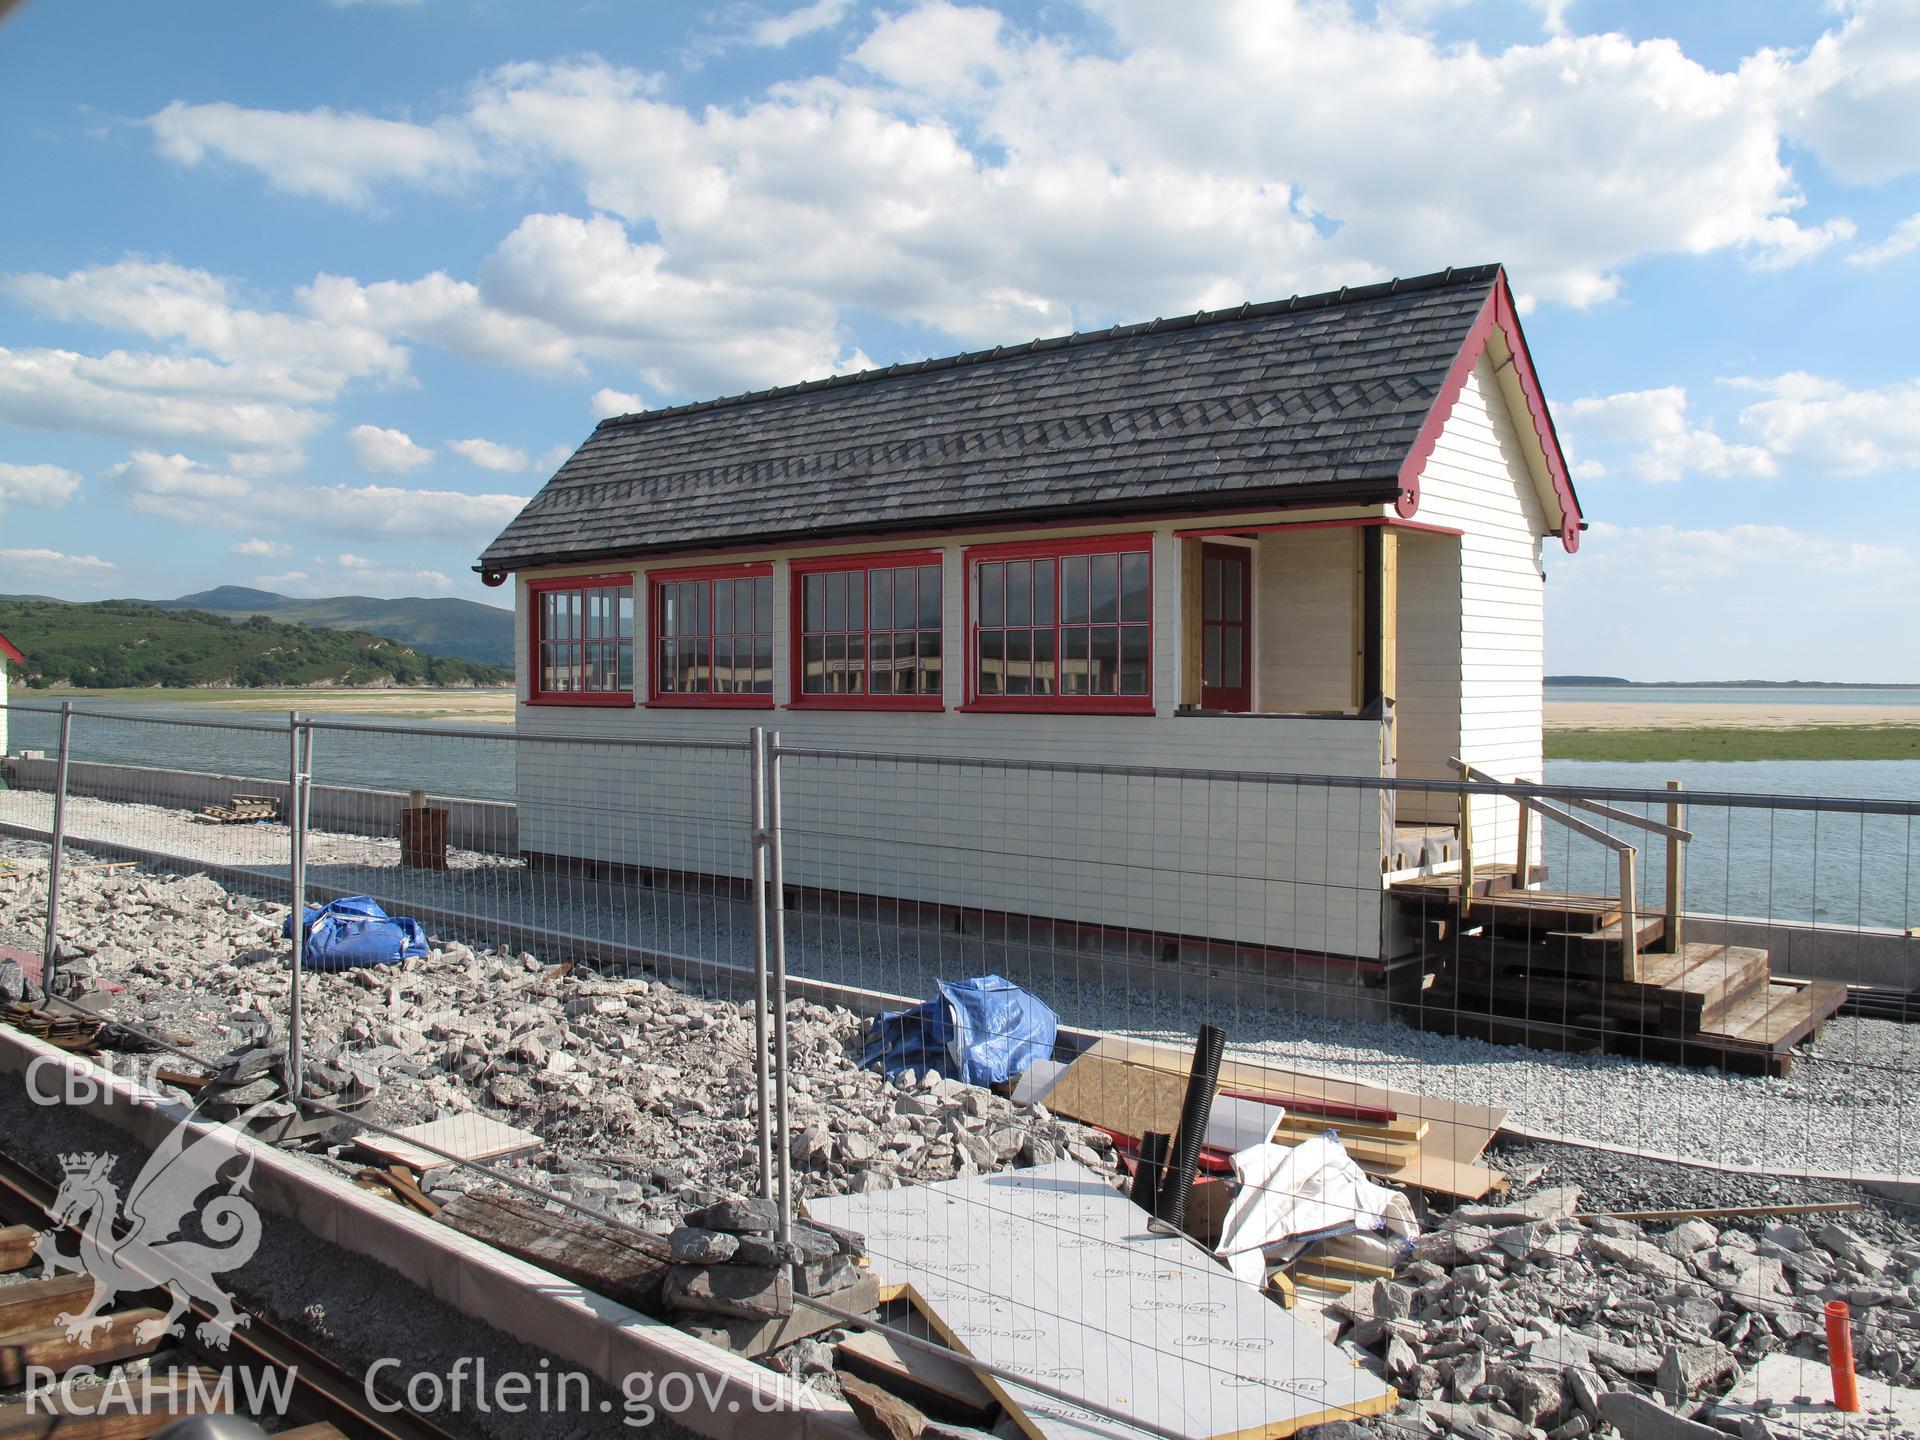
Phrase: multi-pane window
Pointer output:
(583, 640)
(1069, 625)
(713, 636)
(869, 628)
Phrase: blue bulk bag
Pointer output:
(984, 1031)
(355, 933)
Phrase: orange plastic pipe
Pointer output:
(1846, 1394)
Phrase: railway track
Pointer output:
(311, 1396)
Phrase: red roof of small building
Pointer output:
(11, 651)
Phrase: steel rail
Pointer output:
(327, 1392)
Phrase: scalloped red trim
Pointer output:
(1499, 311)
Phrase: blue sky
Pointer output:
(311, 295)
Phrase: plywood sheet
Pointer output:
(1052, 1273)
(1133, 1100)
(471, 1137)
(1457, 1134)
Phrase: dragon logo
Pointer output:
(136, 1243)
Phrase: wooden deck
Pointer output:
(1549, 969)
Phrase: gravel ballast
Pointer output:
(1505, 1314)
(1850, 1106)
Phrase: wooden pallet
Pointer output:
(242, 810)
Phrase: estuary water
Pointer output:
(1793, 865)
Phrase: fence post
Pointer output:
(50, 953)
(1629, 919)
(1676, 871)
(299, 750)
(757, 830)
(777, 929)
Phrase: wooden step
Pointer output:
(1714, 980)
(1779, 1017)
(1598, 952)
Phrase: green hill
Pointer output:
(112, 644)
(457, 628)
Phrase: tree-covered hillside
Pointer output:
(121, 643)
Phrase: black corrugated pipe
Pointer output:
(1147, 1171)
(1202, 1080)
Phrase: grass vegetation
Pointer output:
(1791, 742)
(117, 644)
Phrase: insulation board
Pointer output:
(1052, 1273)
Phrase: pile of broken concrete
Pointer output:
(1520, 1320)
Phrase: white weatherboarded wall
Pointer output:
(3, 702)
(1296, 866)
(1303, 631)
(1427, 689)
(1477, 481)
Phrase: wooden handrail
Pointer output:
(1627, 853)
(1627, 817)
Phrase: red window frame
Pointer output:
(695, 700)
(1056, 550)
(864, 565)
(536, 590)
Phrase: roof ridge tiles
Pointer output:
(1247, 310)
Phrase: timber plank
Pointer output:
(135, 1411)
(50, 1348)
(1792, 1013)
(16, 1246)
(33, 1304)
(607, 1260)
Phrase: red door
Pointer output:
(1226, 627)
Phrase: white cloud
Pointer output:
(1902, 239)
(257, 549)
(172, 400)
(627, 303)
(1678, 559)
(804, 20)
(1678, 603)
(182, 489)
(439, 310)
(369, 573)
(1823, 425)
(992, 179)
(386, 452)
(1652, 426)
(45, 487)
(1854, 98)
(53, 565)
(490, 455)
(615, 402)
(552, 458)
(322, 152)
(270, 353)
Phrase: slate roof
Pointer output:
(1318, 397)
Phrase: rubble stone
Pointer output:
(751, 1292)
